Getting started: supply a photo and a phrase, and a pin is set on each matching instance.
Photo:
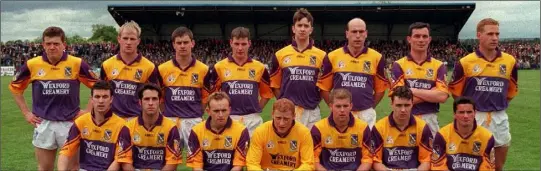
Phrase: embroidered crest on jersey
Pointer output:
(67, 72)
(354, 140)
(171, 78)
(366, 66)
(270, 144)
(503, 69)
(41, 72)
(409, 71)
(436, 152)
(313, 60)
(228, 142)
(195, 78)
(206, 143)
(136, 138)
(161, 139)
(138, 74)
(107, 134)
(176, 145)
(120, 146)
(429, 73)
(85, 131)
(293, 145)
(251, 73)
(452, 147)
(476, 68)
(16, 76)
(328, 140)
(114, 72)
(389, 140)
(287, 59)
(246, 147)
(476, 147)
(227, 73)
(413, 139)
(341, 64)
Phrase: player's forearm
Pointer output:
(380, 167)
(127, 167)
(319, 167)
(417, 100)
(63, 162)
(365, 166)
(263, 102)
(325, 95)
(19, 99)
(432, 96)
(305, 166)
(114, 166)
(424, 166)
(377, 98)
(169, 167)
(276, 92)
(236, 168)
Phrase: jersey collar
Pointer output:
(137, 59)
(393, 123)
(481, 55)
(473, 129)
(288, 131)
(295, 46)
(346, 50)
(192, 63)
(227, 125)
(158, 122)
(63, 58)
(350, 123)
(428, 58)
(107, 116)
(231, 59)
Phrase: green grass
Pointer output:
(17, 152)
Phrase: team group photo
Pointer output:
(144, 96)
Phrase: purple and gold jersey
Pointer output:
(126, 79)
(96, 144)
(295, 73)
(362, 75)
(426, 75)
(55, 87)
(244, 84)
(150, 149)
(489, 83)
(337, 150)
(454, 152)
(184, 89)
(223, 150)
(401, 149)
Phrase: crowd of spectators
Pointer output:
(210, 51)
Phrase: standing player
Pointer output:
(424, 75)
(152, 142)
(55, 78)
(401, 141)
(295, 69)
(341, 141)
(182, 79)
(281, 144)
(98, 129)
(243, 79)
(219, 143)
(128, 70)
(462, 145)
(488, 76)
(357, 68)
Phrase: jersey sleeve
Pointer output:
(366, 146)
(71, 146)
(212, 81)
(513, 83)
(425, 148)
(439, 154)
(396, 78)
(124, 154)
(380, 80)
(255, 151)
(154, 76)
(204, 92)
(103, 73)
(325, 81)
(488, 156)
(86, 75)
(441, 82)
(241, 149)
(173, 152)
(307, 153)
(275, 73)
(195, 156)
(265, 90)
(20, 80)
(456, 85)
(316, 139)
(377, 149)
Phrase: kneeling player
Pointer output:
(156, 140)
(281, 144)
(341, 141)
(219, 143)
(98, 129)
(401, 141)
(462, 145)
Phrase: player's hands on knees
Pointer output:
(32, 119)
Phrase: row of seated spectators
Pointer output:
(211, 50)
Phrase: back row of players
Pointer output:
(301, 74)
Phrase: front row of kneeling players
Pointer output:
(340, 141)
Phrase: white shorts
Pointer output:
(307, 117)
(367, 115)
(251, 121)
(431, 120)
(185, 127)
(498, 123)
(51, 135)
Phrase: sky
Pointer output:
(27, 19)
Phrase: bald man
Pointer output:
(358, 69)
